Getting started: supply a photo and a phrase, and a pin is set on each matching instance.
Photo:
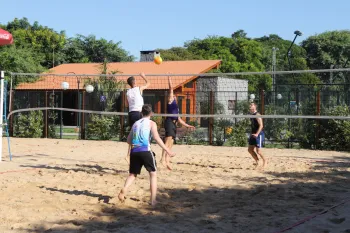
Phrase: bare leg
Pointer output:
(127, 184)
(127, 158)
(259, 152)
(170, 145)
(254, 155)
(164, 160)
(153, 187)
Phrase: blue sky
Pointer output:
(150, 24)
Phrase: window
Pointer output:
(189, 85)
(179, 103)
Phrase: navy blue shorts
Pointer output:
(257, 141)
(133, 117)
(170, 128)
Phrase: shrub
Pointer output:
(102, 127)
(29, 125)
(238, 134)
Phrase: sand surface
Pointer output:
(72, 186)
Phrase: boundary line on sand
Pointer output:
(312, 216)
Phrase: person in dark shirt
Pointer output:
(170, 124)
(257, 137)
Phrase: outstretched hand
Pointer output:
(191, 127)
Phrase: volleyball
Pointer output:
(158, 60)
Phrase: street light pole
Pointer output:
(289, 53)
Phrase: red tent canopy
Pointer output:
(5, 37)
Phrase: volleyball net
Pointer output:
(307, 109)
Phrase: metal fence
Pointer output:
(222, 94)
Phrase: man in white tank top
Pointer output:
(135, 102)
(135, 99)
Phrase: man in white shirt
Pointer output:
(135, 102)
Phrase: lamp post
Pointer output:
(289, 54)
(274, 50)
(252, 97)
(65, 86)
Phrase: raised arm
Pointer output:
(171, 91)
(156, 137)
(147, 82)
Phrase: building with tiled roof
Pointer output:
(156, 94)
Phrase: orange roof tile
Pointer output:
(50, 82)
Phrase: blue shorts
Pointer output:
(257, 141)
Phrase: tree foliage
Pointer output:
(82, 49)
(328, 50)
(37, 48)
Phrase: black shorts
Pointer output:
(143, 158)
(133, 117)
(170, 128)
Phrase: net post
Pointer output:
(61, 117)
(82, 126)
(2, 77)
(211, 106)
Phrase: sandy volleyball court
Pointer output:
(72, 186)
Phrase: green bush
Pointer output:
(327, 134)
(335, 134)
(102, 127)
(29, 125)
(238, 136)
(52, 117)
(276, 129)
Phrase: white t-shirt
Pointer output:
(135, 99)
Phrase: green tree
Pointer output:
(89, 49)
(238, 54)
(44, 41)
(328, 48)
(297, 59)
(178, 54)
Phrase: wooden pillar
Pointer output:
(165, 100)
(194, 100)
(211, 119)
(157, 107)
(82, 136)
(46, 116)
